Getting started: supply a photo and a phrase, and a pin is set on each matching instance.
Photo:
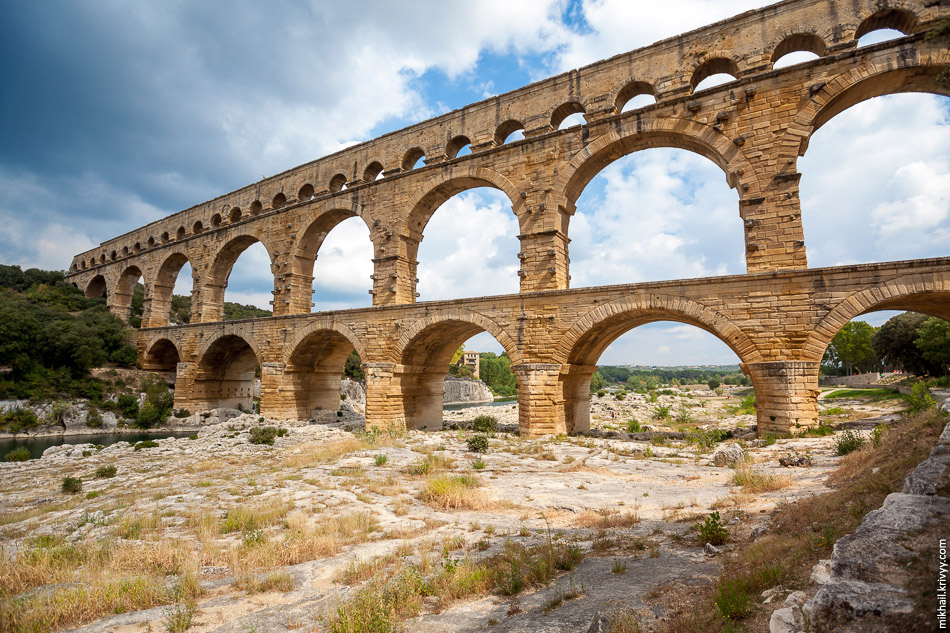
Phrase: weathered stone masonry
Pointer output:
(778, 318)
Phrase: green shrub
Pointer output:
(661, 412)
(72, 485)
(193, 436)
(128, 405)
(478, 444)
(105, 472)
(478, 463)
(848, 442)
(620, 395)
(266, 434)
(713, 530)
(484, 424)
(18, 419)
(94, 419)
(733, 599)
(920, 399)
(601, 393)
(381, 459)
(19, 454)
(633, 426)
(157, 405)
(145, 444)
(182, 413)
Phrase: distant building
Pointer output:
(470, 359)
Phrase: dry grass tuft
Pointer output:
(751, 481)
(454, 492)
(607, 518)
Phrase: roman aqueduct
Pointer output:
(778, 317)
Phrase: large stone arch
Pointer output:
(624, 314)
(314, 228)
(422, 355)
(163, 285)
(224, 372)
(96, 287)
(120, 301)
(451, 181)
(914, 71)
(582, 345)
(635, 133)
(924, 293)
(214, 280)
(315, 360)
(162, 355)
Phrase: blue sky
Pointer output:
(115, 114)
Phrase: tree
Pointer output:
(457, 356)
(495, 371)
(713, 383)
(597, 382)
(851, 348)
(895, 344)
(933, 342)
(354, 367)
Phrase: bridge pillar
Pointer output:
(786, 394)
(774, 238)
(160, 306)
(540, 399)
(185, 386)
(277, 393)
(384, 403)
(544, 261)
(394, 280)
(576, 386)
(212, 304)
(298, 292)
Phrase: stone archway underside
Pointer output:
(776, 317)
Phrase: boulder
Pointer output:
(465, 391)
(728, 455)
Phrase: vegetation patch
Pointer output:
(453, 492)
(265, 434)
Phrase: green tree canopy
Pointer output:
(851, 348)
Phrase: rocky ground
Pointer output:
(278, 537)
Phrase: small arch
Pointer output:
(166, 237)
(563, 112)
(504, 131)
(96, 287)
(113, 255)
(137, 247)
(412, 159)
(151, 242)
(102, 258)
(197, 228)
(162, 356)
(125, 293)
(625, 100)
(457, 146)
(797, 46)
(82, 265)
(234, 215)
(899, 20)
(279, 201)
(216, 220)
(163, 289)
(373, 171)
(181, 233)
(718, 70)
(256, 207)
(337, 183)
(305, 193)
(125, 251)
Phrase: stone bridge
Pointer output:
(778, 318)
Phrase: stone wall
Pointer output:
(465, 391)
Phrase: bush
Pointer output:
(633, 426)
(661, 412)
(126, 356)
(381, 459)
(478, 444)
(484, 424)
(157, 406)
(266, 434)
(713, 530)
(713, 384)
(72, 485)
(920, 398)
(182, 413)
(17, 420)
(601, 393)
(478, 463)
(105, 472)
(128, 405)
(19, 454)
(848, 442)
(145, 444)
(94, 419)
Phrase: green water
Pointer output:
(37, 445)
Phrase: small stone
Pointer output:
(710, 550)
(787, 620)
(796, 598)
(757, 531)
(821, 572)
(728, 455)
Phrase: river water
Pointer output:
(37, 445)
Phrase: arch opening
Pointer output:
(458, 146)
(468, 223)
(655, 214)
(226, 376)
(216, 220)
(414, 159)
(172, 292)
(96, 287)
(796, 49)
(509, 132)
(337, 183)
(234, 215)
(635, 95)
(279, 201)
(373, 171)
(427, 360)
(129, 296)
(162, 356)
(256, 207)
(315, 368)
(614, 369)
(197, 228)
(876, 178)
(714, 72)
(884, 25)
(567, 115)
(241, 282)
(306, 193)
